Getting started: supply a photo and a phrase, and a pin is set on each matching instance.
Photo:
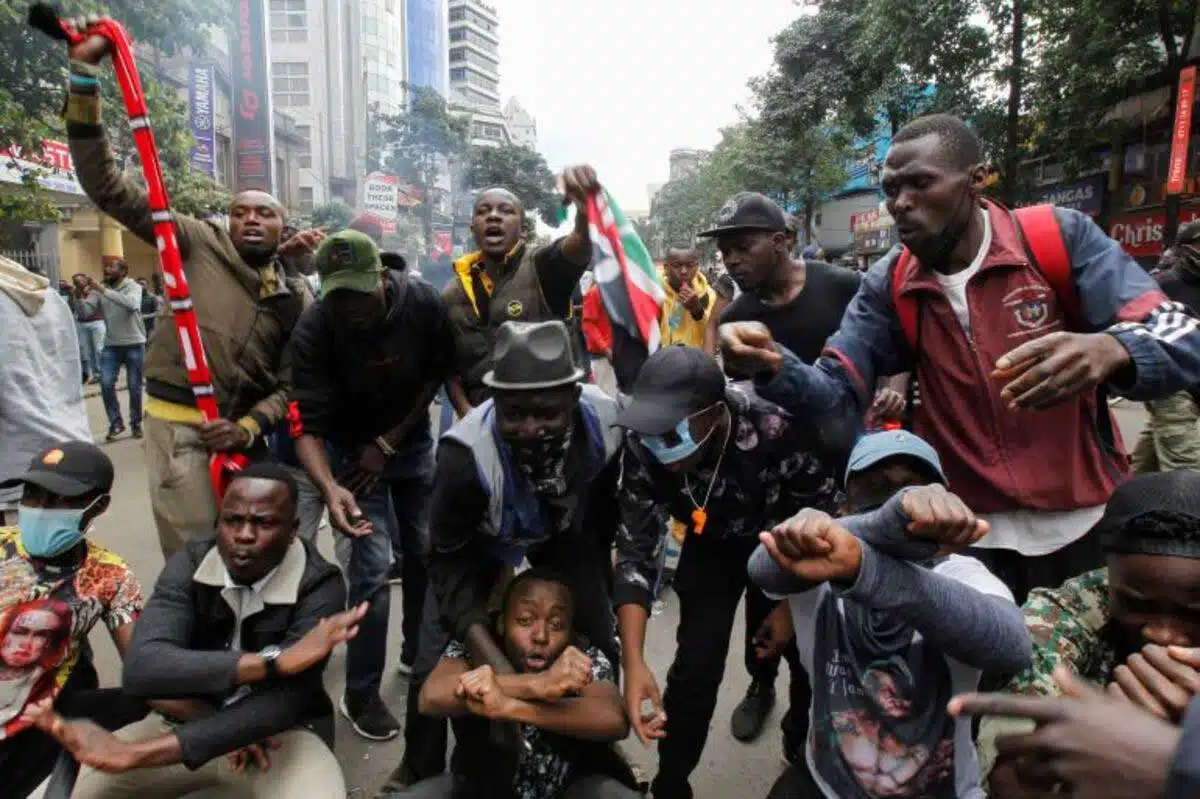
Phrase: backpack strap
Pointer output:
(1040, 233)
(906, 307)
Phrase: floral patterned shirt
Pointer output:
(542, 772)
(46, 616)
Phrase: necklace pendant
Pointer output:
(699, 519)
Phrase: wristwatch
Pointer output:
(270, 655)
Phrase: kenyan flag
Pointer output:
(624, 271)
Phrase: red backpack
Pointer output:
(1043, 240)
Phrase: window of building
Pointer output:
(458, 35)
(458, 74)
(306, 198)
(458, 54)
(304, 158)
(289, 84)
(289, 21)
(458, 14)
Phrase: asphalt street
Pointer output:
(728, 768)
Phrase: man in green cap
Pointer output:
(368, 357)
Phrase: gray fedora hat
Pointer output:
(532, 355)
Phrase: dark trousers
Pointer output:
(397, 507)
(410, 500)
(27, 758)
(795, 783)
(112, 358)
(709, 583)
(578, 557)
(1022, 573)
(448, 786)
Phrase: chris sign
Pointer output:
(1141, 234)
(1085, 195)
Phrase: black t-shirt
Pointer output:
(804, 324)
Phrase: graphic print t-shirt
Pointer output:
(878, 722)
(46, 616)
(543, 773)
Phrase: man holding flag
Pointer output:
(506, 280)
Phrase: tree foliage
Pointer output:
(1034, 77)
(521, 170)
(418, 145)
(335, 215)
(33, 76)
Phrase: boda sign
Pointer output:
(1141, 234)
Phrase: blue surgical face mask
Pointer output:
(46, 532)
(676, 445)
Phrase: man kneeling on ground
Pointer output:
(894, 626)
(239, 627)
(562, 695)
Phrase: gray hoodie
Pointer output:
(122, 307)
(41, 386)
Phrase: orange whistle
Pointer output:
(699, 519)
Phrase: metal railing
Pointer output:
(42, 263)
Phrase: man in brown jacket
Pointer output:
(247, 298)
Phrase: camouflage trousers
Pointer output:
(1171, 438)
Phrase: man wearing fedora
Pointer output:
(529, 474)
(368, 357)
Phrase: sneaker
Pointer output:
(137, 432)
(751, 713)
(114, 431)
(370, 718)
(395, 576)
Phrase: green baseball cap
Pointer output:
(348, 260)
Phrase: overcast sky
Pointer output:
(619, 83)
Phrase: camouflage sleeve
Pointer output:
(1065, 624)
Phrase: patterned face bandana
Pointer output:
(543, 460)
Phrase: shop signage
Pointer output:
(1085, 195)
(1141, 234)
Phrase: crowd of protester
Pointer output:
(909, 478)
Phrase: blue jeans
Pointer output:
(91, 343)
(112, 359)
(398, 509)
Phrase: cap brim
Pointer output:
(720, 231)
(651, 416)
(867, 461)
(489, 380)
(362, 282)
(54, 483)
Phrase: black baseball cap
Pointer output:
(674, 383)
(748, 210)
(69, 469)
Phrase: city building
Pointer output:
(487, 127)
(82, 238)
(474, 54)
(319, 77)
(521, 124)
(852, 217)
(685, 161)
(383, 56)
(425, 39)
